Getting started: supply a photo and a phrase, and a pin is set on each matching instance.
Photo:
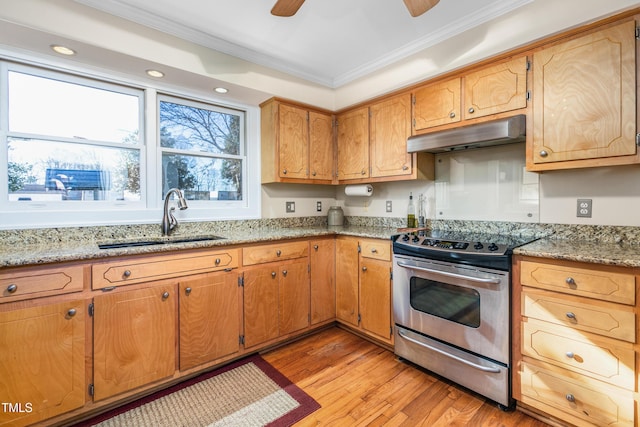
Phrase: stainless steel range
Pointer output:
(451, 304)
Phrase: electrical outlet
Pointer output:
(389, 206)
(319, 206)
(291, 207)
(584, 208)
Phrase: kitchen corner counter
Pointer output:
(607, 253)
(47, 252)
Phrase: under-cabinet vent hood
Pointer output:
(496, 132)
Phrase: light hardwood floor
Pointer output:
(361, 384)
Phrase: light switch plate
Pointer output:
(389, 206)
(291, 207)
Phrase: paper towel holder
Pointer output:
(364, 190)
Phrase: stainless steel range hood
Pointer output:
(497, 132)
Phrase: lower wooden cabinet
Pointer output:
(210, 318)
(134, 338)
(322, 261)
(42, 361)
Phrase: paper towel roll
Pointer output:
(358, 190)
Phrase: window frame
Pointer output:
(149, 208)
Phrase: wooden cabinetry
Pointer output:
(576, 343)
(584, 111)
(491, 90)
(210, 318)
(297, 143)
(322, 260)
(134, 338)
(42, 360)
(34, 282)
(363, 286)
(372, 144)
(276, 291)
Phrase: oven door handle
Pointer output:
(452, 275)
(451, 356)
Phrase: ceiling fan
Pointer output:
(290, 7)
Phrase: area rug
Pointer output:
(249, 392)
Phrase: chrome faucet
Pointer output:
(169, 222)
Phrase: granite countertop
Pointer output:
(45, 252)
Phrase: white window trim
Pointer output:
(150, 209)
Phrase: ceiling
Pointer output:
(329, 42)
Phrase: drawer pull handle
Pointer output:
(187, 291)
(127, 273)
(273, 274)
(165, 295)
(571, 315)
(12, 288)
(364, 268)
(315, 247)
(278, 252)
(452, 114)
(71, 312)
(570, 281)
(570, 354)
(374, 251)
(570, 397)
(284, 171)
(543, 153)
(472, 110)
(217, 261)
(284, 273)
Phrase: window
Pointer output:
(79, 150)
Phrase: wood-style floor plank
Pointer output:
(361, 384)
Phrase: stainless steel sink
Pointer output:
(152, 242)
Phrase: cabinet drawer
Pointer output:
(597, 357)
(586, 282)
(143, 269)
(376, 249)
(607, 319)
(40, 281)
(573, 400)
(276, 252)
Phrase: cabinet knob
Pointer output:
(570, 315)
(570, 397)
(71, 312)
(471, 110)
(313, 173)
(278, 252)
(186, 291)
(217, 261)
(12, 288)
(273, 274)
(284, 273)
(452, 114)
(165, 295)
(284, 171)
(374, 251)
(364, 268)
(405, 167)
(543, 153)
(570, 281)
(315, 247)
(570, 354)
(363, 172)
(127, 273)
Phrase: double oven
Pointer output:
(451, 305)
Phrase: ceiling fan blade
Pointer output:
(418, 7)
(286, 7)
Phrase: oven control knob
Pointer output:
(478, 246)
(405, 237)
(493, 247)
(416, 239)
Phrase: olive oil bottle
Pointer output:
(411, 213)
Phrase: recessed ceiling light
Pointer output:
(221, 90)
(62, 50)
(155, 73)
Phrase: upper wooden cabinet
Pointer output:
(372, 144)
(490, 90)
(297, 143)
(584, 111)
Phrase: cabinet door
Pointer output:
(496, 89)
(375, 297)
(293, 142)
(294, 297)
(585, 97)
(390, 125)
(321, 158)
(322, 259)
(437, 104)
(42, 361)
(209, 318)
(134, 339)
(260, 305)
(347, 280)
(353, 144)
